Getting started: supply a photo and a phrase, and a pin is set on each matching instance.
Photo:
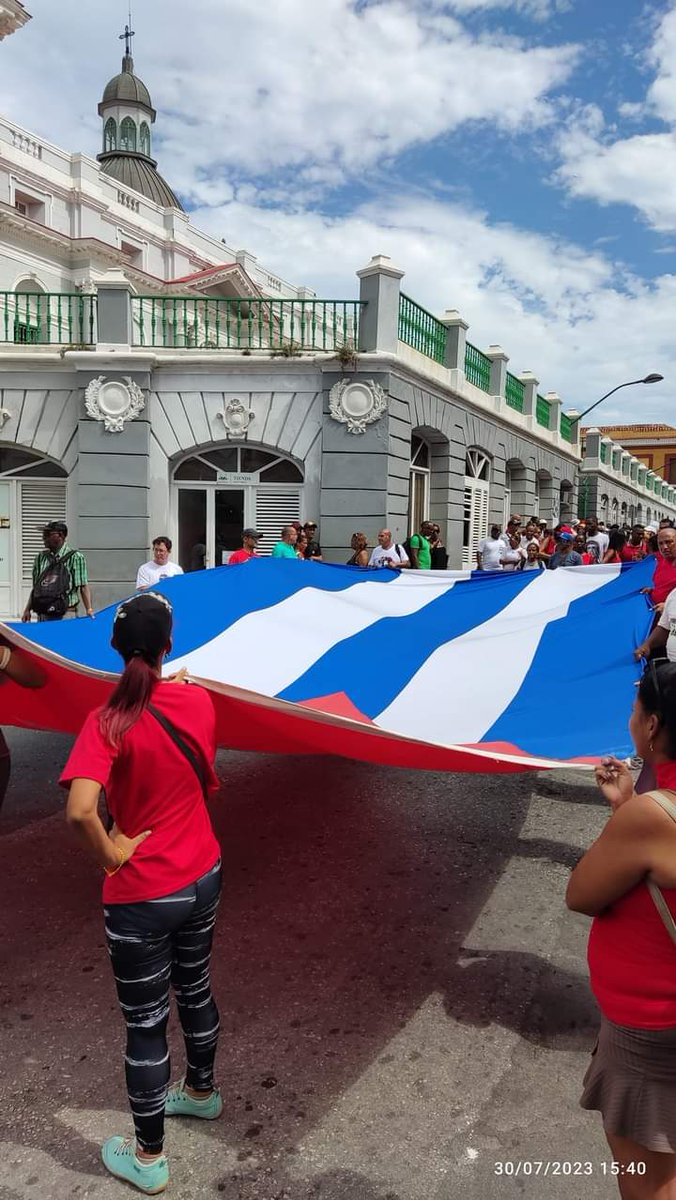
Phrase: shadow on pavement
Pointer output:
(349, 891)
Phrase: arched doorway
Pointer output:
(419, 483)
(565, 501)
(218, 492)
(32, 492)
(475, 507)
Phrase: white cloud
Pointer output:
(639, 170)
(540, 10)
(261, 88)
(581, 322)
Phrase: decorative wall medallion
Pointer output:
(114, 402)
(5, 415)
(236, 418)
(357, 404)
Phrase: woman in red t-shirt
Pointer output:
(627, 882)
(151, 750)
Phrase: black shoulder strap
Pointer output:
(52, 562)
(181, 744)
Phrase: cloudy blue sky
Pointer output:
(516, 158)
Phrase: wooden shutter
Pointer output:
(475, 518)
(275, 507)
(39, 502)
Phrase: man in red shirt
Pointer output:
(250, 540)
(635, 547)
(664, 579)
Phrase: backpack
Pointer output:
(51, 592)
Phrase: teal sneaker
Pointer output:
(119, 1157)
(180, 1104)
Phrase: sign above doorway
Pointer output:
(235, 478)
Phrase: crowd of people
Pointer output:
(61, 588)
(532, 546)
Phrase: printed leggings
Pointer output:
(154, 945)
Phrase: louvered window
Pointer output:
(475, 505)
(274, 508)
(39, 502)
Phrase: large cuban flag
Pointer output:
(438, 670)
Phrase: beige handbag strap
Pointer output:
(660, 903)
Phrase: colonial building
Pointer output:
(653, 445)
(155, 380)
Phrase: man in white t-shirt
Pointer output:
(491, 551)
(160, 566)
(663, 636)
(595, 534)
(387, 554)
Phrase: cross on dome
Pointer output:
(126, 38)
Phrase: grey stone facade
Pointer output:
(120, 486)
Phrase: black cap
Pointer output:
(142, 626)
(56, 527)
(252, 533)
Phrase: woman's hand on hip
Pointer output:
(128, 846)
(615, 781)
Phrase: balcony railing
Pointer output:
(542, 412)
(282, 326)
(566, 428)
(514, 392)
(47, 319)
(420, 329)
(477, 368)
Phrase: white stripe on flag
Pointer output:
(464, 686)
(267, 651)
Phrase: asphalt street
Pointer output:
(403, 994)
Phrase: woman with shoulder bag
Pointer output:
(151, 749)
(627, 883)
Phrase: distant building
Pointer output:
(654, 445)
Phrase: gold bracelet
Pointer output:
(113, 870)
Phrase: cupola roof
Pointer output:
(126, 88)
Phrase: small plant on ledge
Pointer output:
(288, 349)
(347, 355)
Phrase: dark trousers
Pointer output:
(153, 946)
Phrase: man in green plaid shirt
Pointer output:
(55, 536)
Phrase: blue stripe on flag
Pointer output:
(577, 695)
(373, 666)
(205, 603)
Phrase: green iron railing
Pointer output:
(477, 368)
(542, 411)
(566, 428)
(47, 319)
(420, 329)
(285, 326)
(603, 453)
(514, 392)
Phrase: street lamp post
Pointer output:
(583, 501)
(652, 378)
